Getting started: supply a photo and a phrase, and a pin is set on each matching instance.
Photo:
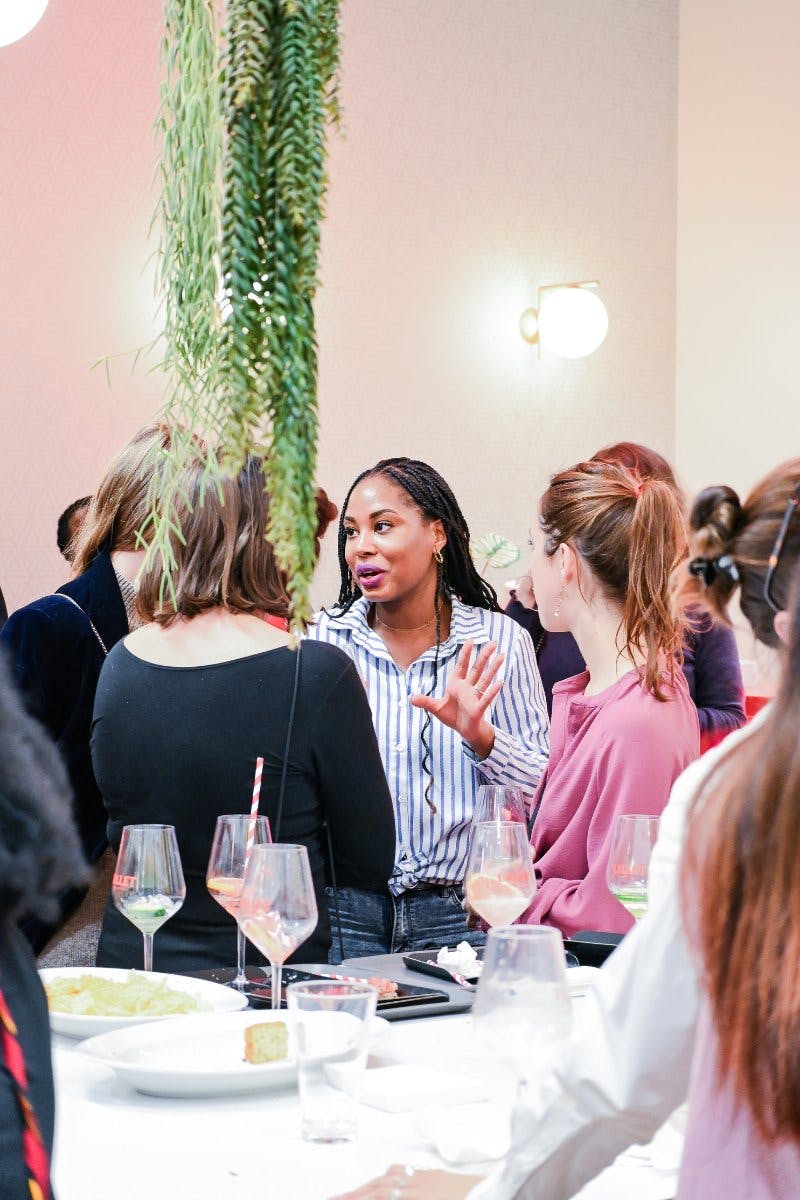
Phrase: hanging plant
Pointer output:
(243, 187)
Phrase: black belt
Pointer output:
(430, 885)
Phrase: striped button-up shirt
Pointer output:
(433, 839)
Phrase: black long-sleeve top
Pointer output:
(178, 746)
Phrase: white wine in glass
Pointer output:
(148, 886)
(500, 881)
(278, 908)
(629, 861)
(234, 837)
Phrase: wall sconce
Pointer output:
(571, 320)
(18, 17)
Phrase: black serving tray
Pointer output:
(259, 991)
(425, 962)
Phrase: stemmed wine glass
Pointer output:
(148, 886)
(234, 837)
(629, 861)
(522, 1007)
(496, 803)
(278, 908)
(500, 880)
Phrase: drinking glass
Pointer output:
(628, 863)
(278, 908)
(234, 837)
(331, 1023)
(495, 803)
(522, 1006)
(148, 886)
(500, 881)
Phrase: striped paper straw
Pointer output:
(251, 828)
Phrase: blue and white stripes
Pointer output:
(434, 845)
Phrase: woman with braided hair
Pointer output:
(429, 640)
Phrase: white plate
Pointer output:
(197, 1056)
(212, 997)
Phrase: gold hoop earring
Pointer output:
(561, 596)
(437, 554)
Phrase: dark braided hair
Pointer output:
(455, 574)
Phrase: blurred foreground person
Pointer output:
(39, 856)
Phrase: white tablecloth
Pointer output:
(113, 1141)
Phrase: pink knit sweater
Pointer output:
(617, 752)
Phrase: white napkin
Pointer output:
(473, 1133)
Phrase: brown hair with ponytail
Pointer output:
(740, 878)
(630, 532)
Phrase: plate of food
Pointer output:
(224, 1054)
(85, 1001)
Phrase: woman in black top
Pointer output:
(187, 704)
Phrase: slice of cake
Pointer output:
(266, 1042)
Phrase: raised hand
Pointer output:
(470, 691)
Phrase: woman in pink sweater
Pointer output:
(604, 547)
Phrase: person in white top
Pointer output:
(629, 1063)
(411, 611)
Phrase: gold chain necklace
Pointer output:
(411, 629)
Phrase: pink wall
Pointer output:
(489, 148)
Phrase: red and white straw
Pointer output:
(251, 828)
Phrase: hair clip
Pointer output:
(708, 569)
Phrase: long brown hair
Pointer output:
(120, 505)
(631, 532)
(222, 558)
(740, 875)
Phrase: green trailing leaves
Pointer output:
(243, 188)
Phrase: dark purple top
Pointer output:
(710, 664)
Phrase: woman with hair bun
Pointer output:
(604, 548)
(412, 609)
(720, 939)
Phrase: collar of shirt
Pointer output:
(466, 625)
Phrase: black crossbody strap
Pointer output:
(289, 728)
(64, 596)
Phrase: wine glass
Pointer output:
(522, 1007)
(278, 908)
(628, 863)
(234, 837)
(495, 803)
(500, 881)
(148, 886)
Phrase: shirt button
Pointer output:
(402, 801)
(400, 747)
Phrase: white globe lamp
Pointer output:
(18, 17)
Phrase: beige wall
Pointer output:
(738, 259)
(738, 329)
(490, 146)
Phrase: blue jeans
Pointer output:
(373, 923)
